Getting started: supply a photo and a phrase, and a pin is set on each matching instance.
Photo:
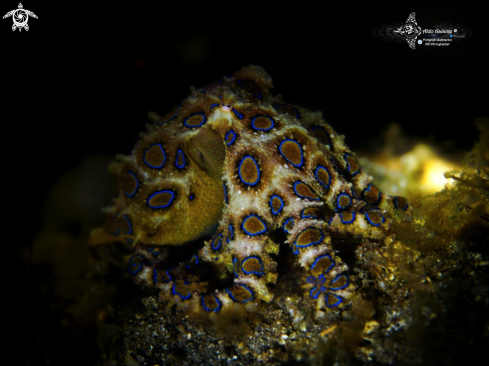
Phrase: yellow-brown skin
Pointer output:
(225, 190)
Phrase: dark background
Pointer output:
(83, 78)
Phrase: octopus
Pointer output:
(216, 188)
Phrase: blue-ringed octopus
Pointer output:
(235, 164)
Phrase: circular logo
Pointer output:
(20, 17)
(420, 41)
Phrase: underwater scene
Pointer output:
(272, 207)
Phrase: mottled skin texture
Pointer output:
(235, 162)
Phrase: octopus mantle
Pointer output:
(235, 164)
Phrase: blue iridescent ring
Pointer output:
(281, 204)
(231, 135)
(217, 302)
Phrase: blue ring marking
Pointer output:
(396, 204)
(349, 167)
(330, 220)
(341, 287)
(226, 138)
(116, 232)
(155, 166)
(135, 189)
(262, 129)
(232, 233)
(297, 193)
(156, 275)
(212, 85)
(347, 222)
(297, 115)
(133, 265)
(217, 301)
(239, 115)
(225, 193)
(281, 204)
(336, 303)
(213, 246)
(285, 224)
(128, 224)
(330, 143)
(304, 216)
(171, 118)
(191, 197)
(321, 257)
(320, 181)
(368, 189)
(240, 82)
(196, 261)
(257, 169)
(241, 302)
(338, 201)
(234, 267)
(180, 154)
(295, 248)
(214, 105)
(300, 148)
(370, 221)
(181, 296)
(311, 243)
(259, 261)
(314, 293)
(159, 192)
(201, 123)
(311, 279)
(259, 232)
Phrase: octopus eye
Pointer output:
(291, 150)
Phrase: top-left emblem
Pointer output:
(20, 17)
